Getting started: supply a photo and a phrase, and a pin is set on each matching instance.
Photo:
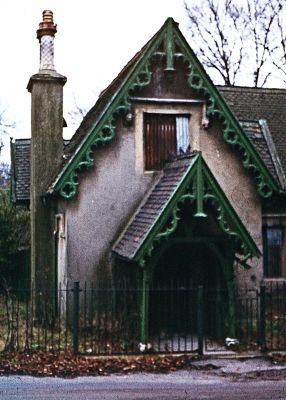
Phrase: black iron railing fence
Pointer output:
(178, 319)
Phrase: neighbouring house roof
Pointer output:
(20, 173)
(259, 134)
(20, 170)
(250, 103)
(186, 179)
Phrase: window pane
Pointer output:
(274, 236)
(159, 139)
(272, 249)
(182, 127)
(165, 136)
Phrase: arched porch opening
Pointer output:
(181, 269)
(181, 264)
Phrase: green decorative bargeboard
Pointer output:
(103, 131)
(198, 188)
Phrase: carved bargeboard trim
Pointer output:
(210, 191)
(104, 130)
(233, 133)
(102, 134)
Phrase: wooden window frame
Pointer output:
(157, 152)
(272, 272)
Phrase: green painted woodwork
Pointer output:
(102, 133)
(198, 186)
(104, 129)
(199, 191)
(233, 133)
(169, 46)
(229, 279)
(144, 307)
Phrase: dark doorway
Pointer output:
(180, 269)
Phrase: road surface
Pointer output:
(183, 385)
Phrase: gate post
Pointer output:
(262, 315)
(75, 317)
(200, 320)
(144, 323)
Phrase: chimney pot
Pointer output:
(45, 34)
(47, 26)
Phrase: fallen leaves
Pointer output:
(68, 365)
(278, 358)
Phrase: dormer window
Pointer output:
(165, 137)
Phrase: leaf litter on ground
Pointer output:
(63, 364)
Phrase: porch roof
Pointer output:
(184, 179)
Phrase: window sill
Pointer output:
(278, 279)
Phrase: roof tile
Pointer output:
(152, 207)
(250, 103)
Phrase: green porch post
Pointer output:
(231, 308)
(144, 314)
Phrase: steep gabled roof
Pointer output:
(185, 181)
(99, 126)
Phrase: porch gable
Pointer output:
(187, 179)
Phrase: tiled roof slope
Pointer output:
(255, 132)
(152, 207)
(249, 103)
(21, 170)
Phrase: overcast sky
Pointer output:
(95, 39)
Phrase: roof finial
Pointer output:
(45, 34)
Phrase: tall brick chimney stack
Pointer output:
(46, 88)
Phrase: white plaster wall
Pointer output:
(107, 197)
(240, 189)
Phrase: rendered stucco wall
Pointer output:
(240, 189)
(107, 198)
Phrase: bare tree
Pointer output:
(261, 17)
(235, 37)
(278, 53)
(5, 128)
(211, 22)
(78, 113)
(4, 175)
